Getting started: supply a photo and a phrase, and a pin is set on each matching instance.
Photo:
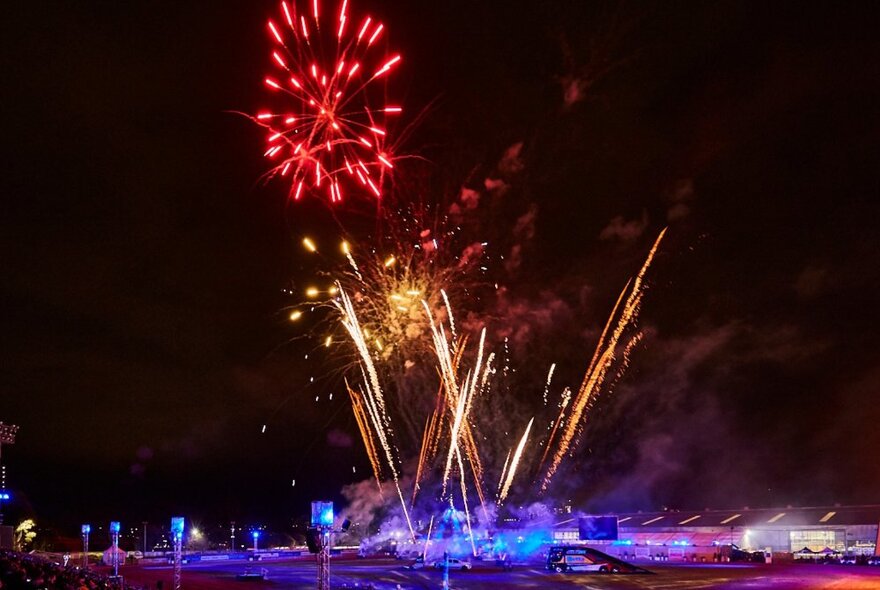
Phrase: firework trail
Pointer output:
(601, 362)
(449, 313)
(346, 249)
(464, 499)
(374, 389)
(503, 473)
(458, 418)
(547, 385)
(563, 404)
(374, 400)
(331, 127)
(430, 441)
(364, 428)
(421, 464)
(460, 399)
(468, 432)
(514, 463)
(487, 372)
(428, 538)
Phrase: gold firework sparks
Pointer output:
(373, 398)
(602, 360)
(503, 473)
(514, 463)
(364, 427)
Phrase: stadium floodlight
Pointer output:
(115, 527)
(177, 539)
(322, 520)
(322, 513)
(86, 529)
(177, 523)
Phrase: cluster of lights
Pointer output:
(7, 433)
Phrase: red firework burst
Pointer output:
(328, 129)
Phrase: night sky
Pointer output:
(144, 343)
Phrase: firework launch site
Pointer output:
(812, 548)
(387, 574)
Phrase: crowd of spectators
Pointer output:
(21, 571)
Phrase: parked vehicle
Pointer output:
(576, 559)
(454, 564)
(417, 564)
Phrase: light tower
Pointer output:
(114, 538)
(7, 437)
(177, 540)
(86, 529)
(322, 521)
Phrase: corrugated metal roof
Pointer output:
(759, 517)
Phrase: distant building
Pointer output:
(700, 534)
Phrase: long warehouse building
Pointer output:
(701, 535)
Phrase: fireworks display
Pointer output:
(434, 398)
(408, 310)
(328, 131)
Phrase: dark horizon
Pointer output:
(145, 340)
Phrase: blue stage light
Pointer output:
(177, 526)
(322, 513)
